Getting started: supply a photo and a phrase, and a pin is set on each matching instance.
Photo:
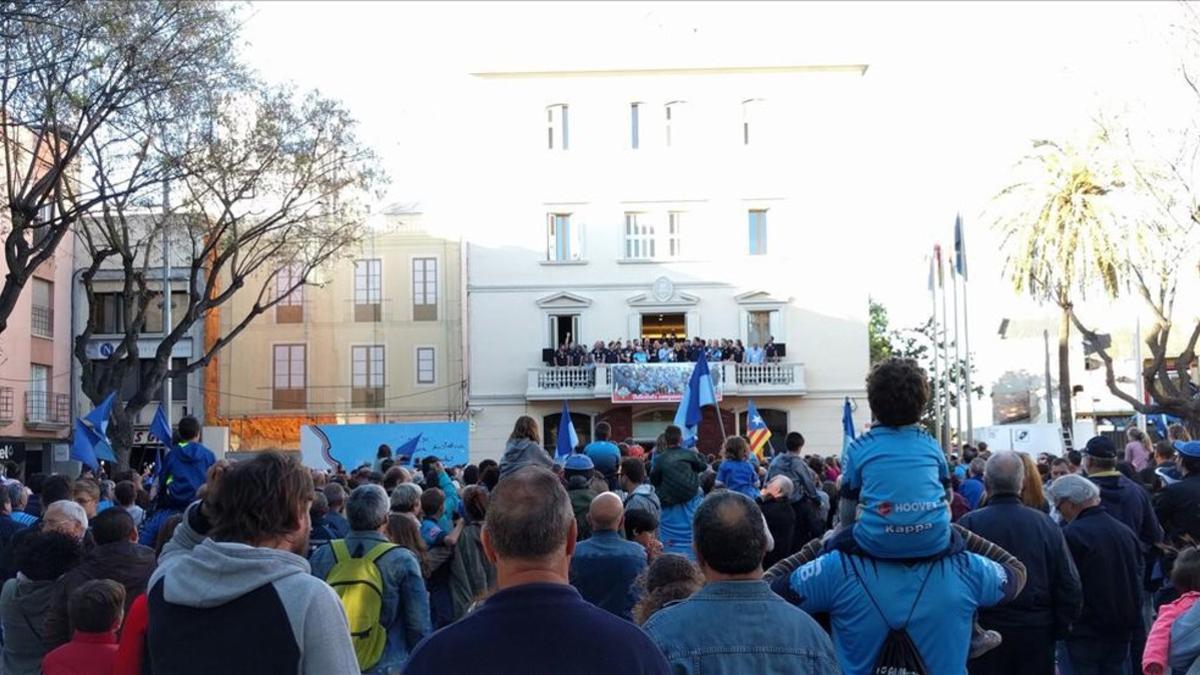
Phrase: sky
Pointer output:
(958, 91)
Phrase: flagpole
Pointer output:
(962, 259)
(937, 416)
(945, 408)
(957, 360)
(717, 402)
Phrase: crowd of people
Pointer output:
(892, 558)
(669, 349)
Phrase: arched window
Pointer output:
(777, 422)
(675, 114)
(558, 131)
(583, 429)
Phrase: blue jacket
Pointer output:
(405, 611)
(1185, 641)
(865, 597)
(1109, 560)
(1052, 596)
(739, 476)
(184, 470)
(736, 627)
(1129, 503)
(972, 491)
(604, 569)
(538, 628)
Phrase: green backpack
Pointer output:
(359, 584)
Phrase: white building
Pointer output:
(720, 202)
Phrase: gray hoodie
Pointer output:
(310, 635)
(23, 607)
(521, 453)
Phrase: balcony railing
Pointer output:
(6, 405)
(47, 410)
(740, 379)
(42, 321)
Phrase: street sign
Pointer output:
(1102, 341)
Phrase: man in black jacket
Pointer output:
(776, 506)
(116, 556)
(1124, 499)
(1051, 599)
(1178, 505)
(1109, 559)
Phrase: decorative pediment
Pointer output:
(759, 298)
(564, 300)
(676, 299)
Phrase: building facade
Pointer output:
(110, 321)
(630, 204)
(376, 337)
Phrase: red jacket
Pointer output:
(132, 651)
(85, 654)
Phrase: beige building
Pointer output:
(377, 337)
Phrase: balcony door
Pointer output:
(563, 328)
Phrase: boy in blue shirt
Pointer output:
(441, 547)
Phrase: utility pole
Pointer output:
(1049, 393)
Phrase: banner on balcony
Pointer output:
(326, 446)
(655, 382)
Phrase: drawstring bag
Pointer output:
(899, 654)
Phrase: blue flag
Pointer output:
(567, 438)
(699, 393)
(409, 449)
(159, 428)
(847, 425)
(91, 436)
(960, 248)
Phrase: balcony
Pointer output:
(6, 406)
(549, 383)
(47, 411)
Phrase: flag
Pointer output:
(159, 429)
(931, 266)
(757, 431)
(847, 425)
(409, 449)
(960, 248)
(567, 439)
(699, 393)
(91, 436)
(937, 261)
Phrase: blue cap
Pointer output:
(579, 463)
(1101, 447)
(1189, 449)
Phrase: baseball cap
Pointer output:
(1101, 448)
(579, 463)
(1189, 448)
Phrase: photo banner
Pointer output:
(655, 382)
(325, 446)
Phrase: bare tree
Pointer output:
(73, 72)
(272, 183)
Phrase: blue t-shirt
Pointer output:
(972, 490)
(605, 455)
(942, 615)
(739, 476)
(899, 475)
(432, 533)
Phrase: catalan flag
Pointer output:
(757, 432)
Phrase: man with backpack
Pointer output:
(379, 583)
(182, 473)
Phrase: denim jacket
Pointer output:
(769, 637)
(405, 611)
(604, 570)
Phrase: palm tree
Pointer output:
(1060, 238)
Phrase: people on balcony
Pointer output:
(670, 349)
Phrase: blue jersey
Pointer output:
(942, 612)
(739, 476)
(899, 475)
(605, 455)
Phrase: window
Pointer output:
(557, 127)
(42, 309)
(108, 314)
(179, 384)
(366, 376)
(675, 234)
(368, 289)
(425, 289)
(38, 405)
(639, 237)
(758, 232)
(635, 110)
(154, 311)
(758, 330)
(291, 308)
(564, 328)
(752, 112)
(425, 366)
(563, 241)
(674, 113)
(289, 386)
